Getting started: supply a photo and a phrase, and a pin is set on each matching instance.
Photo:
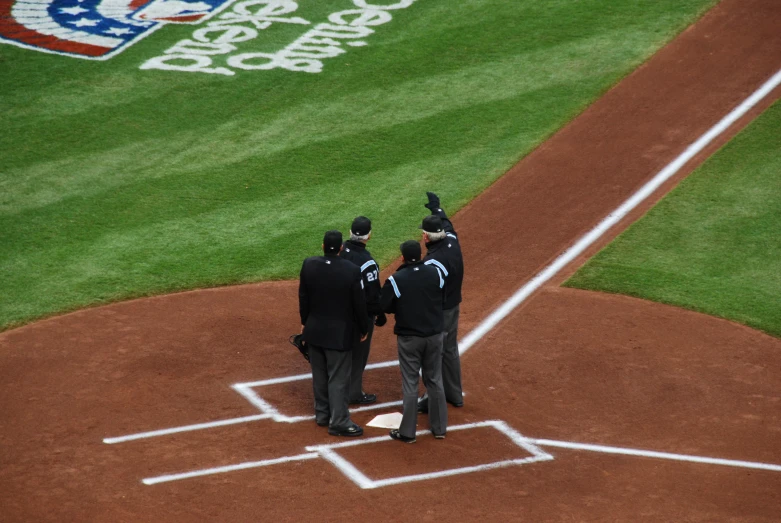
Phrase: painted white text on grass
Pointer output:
(212, 49)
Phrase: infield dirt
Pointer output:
(567, 365)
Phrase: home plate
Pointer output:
(386, 421)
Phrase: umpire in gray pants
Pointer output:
(414, 294)
(333, 318)
(444, 252)
(355, 250)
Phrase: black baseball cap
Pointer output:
(410, 249)
(332, 241)
(361, 226)
(431, 223)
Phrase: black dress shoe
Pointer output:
(322, 423)
(366, 399)
(349, 431)
(395, 434)
(457, 404)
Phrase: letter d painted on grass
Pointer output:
(192, 63)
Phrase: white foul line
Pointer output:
(613, 218)
(228, 468)
(657, 455)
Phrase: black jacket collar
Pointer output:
(409, 264)
(356, 245)
(433, 246)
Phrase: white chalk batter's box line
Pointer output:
(531, 445)
(268, 411)
(329, 452)
(247, 390)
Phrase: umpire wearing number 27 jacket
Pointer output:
(355, 250)
(333, 315)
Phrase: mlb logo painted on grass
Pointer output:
(94, 29)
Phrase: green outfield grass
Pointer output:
(711, 245)
(118, 182)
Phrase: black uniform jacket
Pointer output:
(331, 302)
(446, 255)
(415, 295)
(357, 253)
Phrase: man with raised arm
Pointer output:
(444, 252)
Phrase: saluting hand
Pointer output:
(433, 202)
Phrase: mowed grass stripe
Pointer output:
(121, 183)
(351, 116)
(711, 245)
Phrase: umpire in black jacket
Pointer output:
(333, 316)
(355, 250)
(415, 295)
(444, 251)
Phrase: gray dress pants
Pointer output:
(360, 357)
(331, 384)
(416, 353)
(451, 361)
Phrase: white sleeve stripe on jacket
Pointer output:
(395, 287)
(441, 280)
(367, 264)
(435, 262)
